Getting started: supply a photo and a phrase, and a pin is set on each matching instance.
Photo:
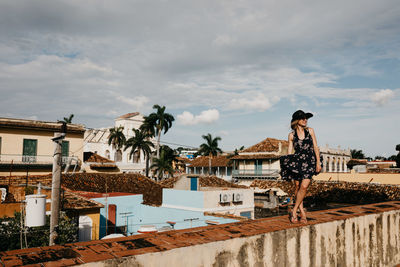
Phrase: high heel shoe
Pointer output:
(303, 219)
(293, 219)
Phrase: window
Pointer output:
(29, 152)
(108, 154)
(118, 155)
(65, 151)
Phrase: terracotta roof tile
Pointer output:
(217, 161)
(90, 252)
(95, 158)
(73, 201)
(267, 145)
(257, 156)
(128, 115)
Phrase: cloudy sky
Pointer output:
(236, 69)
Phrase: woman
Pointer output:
(303, 164)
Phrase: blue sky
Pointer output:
(236, 69)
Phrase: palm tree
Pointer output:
(162, 165)
(236, 152)
(117, 137)
(139, 142)
(68, 119)
(357, 154)
(160, 121)
(210, 148)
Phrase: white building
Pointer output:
(334, 159)
(188, 194)
(96, 141)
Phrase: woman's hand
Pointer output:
(318, 169)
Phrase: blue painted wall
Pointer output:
(185, 198)
(157, 216)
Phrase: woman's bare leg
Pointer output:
(296, 190)
(300, 196)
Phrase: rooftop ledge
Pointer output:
(348, 236)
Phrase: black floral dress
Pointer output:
(302, 164)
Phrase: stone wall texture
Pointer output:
(370, 240)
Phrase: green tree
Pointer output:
(10, 233)
(210, 148)
(163, 164)
(68, 119)
(237, 150)
(357, 154)
(117, 137)
(140, 143)
(161, 121)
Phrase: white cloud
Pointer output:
(206, 116)
(259, 102)
(223, 40)
(382, 97)
(137, 102)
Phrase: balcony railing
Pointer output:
(25, 159)
(256, 173)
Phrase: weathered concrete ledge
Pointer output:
(367, 235)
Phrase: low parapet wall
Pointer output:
(367, 235)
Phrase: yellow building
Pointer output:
(26, 146)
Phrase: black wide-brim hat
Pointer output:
(298, 115)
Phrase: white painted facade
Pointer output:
(235, 201)
(96, 141)
(334, 159)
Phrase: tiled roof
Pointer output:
(98, 159)
(39, 125)
(216, 161)
(338, 192)
(257, 156)
(205, 181)
(183, 159)
(73, 201)
(118, 248)
(267, 145)
(128, 115)
(100, 195)
(213, 181)
(120, 182)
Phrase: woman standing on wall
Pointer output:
(303, 164)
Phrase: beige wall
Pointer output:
(382, 178)
(12, 142)
(95, 216)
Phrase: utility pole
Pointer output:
(56, 184)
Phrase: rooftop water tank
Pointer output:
(35, 210)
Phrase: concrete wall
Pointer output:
(370, 240)
(382, 178)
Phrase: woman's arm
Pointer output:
(290, 141)
(316, 149)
